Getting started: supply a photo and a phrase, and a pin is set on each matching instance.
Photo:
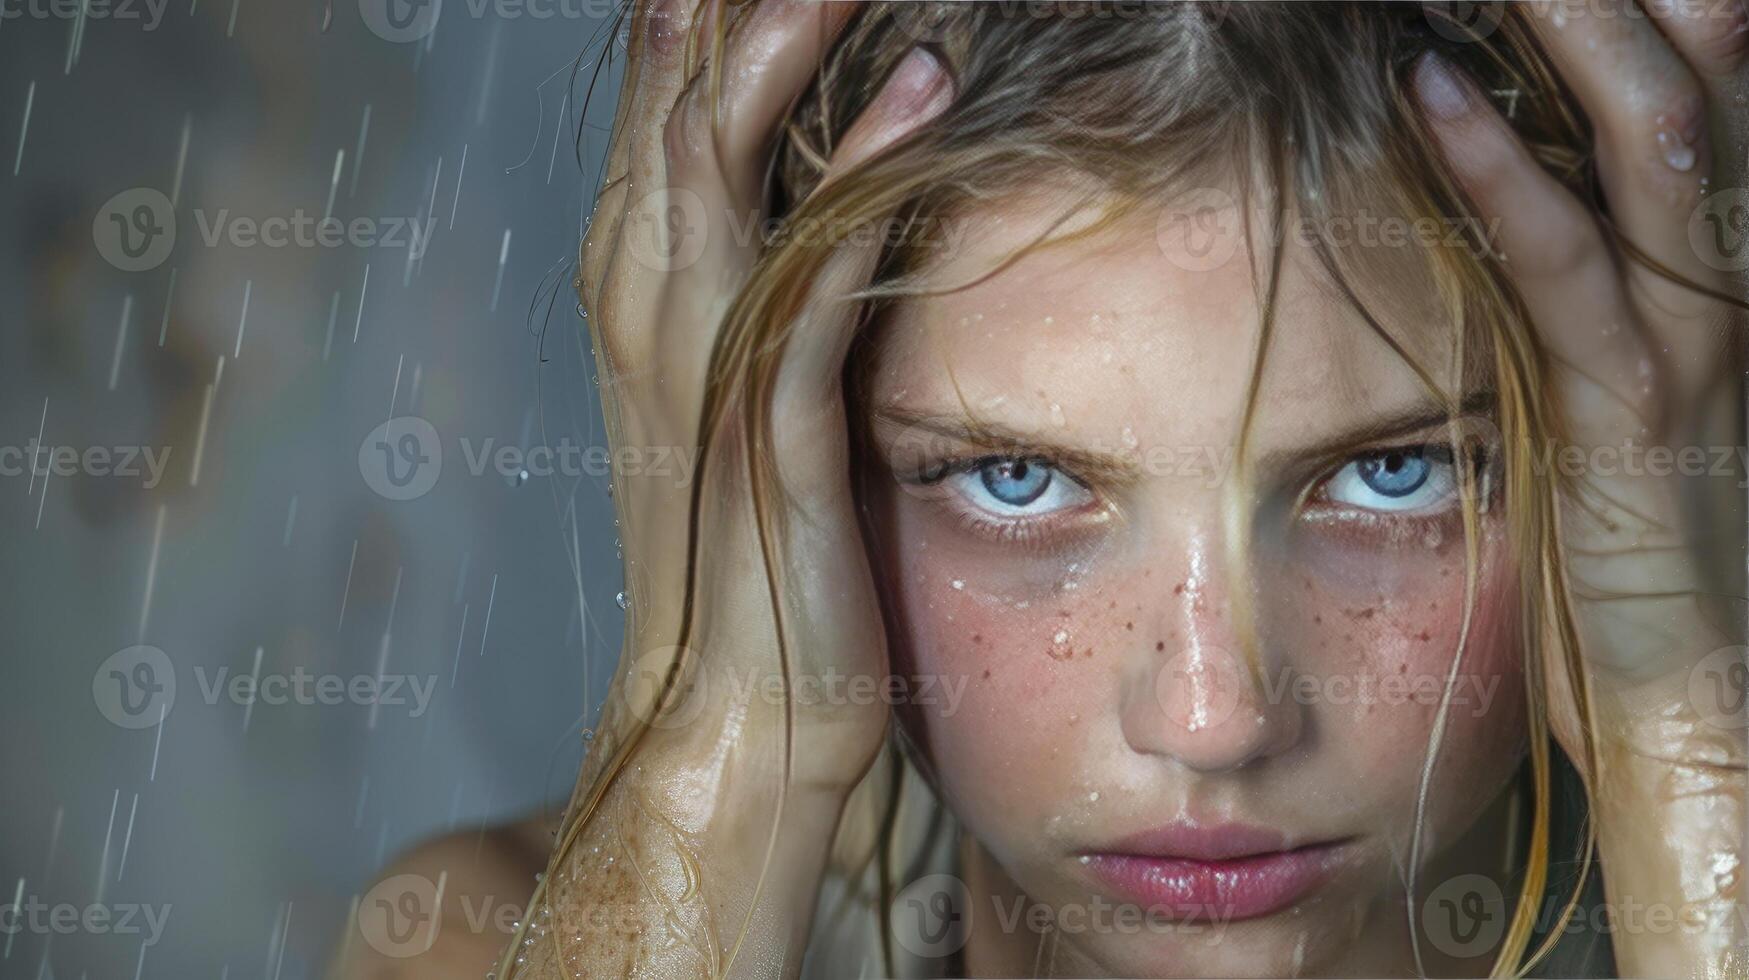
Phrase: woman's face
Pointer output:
(1054, 452)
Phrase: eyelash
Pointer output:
(1041, 530)
(1033, 531)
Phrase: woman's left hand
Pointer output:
(1650, 382)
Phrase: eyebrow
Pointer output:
(995, 437)
(1383, 428)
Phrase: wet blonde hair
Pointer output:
(1139, 103)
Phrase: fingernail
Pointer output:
(916, 82)
(1440, 89)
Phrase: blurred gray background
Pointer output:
(427, 634)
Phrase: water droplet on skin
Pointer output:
(1129, 438)
(1678, 154)
(1433, 538)
(1057, 417)
(1050, 320)
(1061, 638)
(1093, 797)
(958, 584)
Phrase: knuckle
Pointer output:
(686, 135)
(1717, 30)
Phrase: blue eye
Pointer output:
(1014, 487)
(1396, 480)
(1397, 473)
(1016, 482)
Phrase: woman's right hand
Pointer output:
(688, 844)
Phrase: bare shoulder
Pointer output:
(479, 882)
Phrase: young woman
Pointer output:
(1170, 503)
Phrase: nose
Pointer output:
(1203, 703)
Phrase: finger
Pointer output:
(1552, 246)
(1648, 112)
(1712, 36)
(650, 79)
(810, 430)
(768, 60)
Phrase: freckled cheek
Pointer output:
(1377, 626)
(1038, 671)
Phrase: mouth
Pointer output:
(1221, 873)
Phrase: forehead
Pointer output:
(1124, 327)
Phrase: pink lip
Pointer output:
(1223, 872)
